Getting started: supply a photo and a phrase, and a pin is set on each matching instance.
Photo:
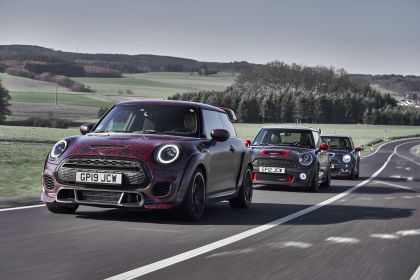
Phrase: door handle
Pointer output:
(232, 149)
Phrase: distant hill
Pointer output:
(406, 86)
(18, 55)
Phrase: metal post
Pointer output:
(56, 92)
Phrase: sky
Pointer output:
(361, 36)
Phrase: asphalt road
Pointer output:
(363, 229)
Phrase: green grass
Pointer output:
(158, 84)
(35, 134)
(21, 163)
(21, 169)
(20, 84)
(63, 98)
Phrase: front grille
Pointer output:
(98, 196)
(275, 162)
(48, 182)
(161, 189)
(271, 177)
(135, 174)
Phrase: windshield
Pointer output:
(338, 143)
(151, 119)
(285, 137)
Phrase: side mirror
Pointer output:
(323, 146)
(247, 143)
(358, 149)
(86, 128)
(220, 135)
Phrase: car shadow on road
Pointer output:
(258, 214)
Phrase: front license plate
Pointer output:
(266, 169)
(332, 165)
(98, 178)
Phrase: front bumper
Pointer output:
(341, 169)
(291, 177)
(163, 191)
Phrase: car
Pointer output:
(345, 157)
(151, 154)
(292, 156)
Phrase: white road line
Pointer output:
(295, 244)
(396, 186)
(342, 240)
(384, 236)
(156, 230)
(416, 275)
(23, 207)
(143, 270)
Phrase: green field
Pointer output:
(157, 84)
(62, 98)
(21, 163)
(21, 169)
(108, 91)
(20, 84)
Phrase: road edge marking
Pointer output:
(416, 275)
(158, 265)
(390, 142)
(22, 207)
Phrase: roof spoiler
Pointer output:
(231, 114)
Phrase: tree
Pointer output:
(4, 103)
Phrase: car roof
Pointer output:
(171, 103)
(291, 127)
(335, 135)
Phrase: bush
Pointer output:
(20, 72)
(46, 122)
(102, 111)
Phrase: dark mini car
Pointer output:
(154, 155)
(345, 158)
(292, 156)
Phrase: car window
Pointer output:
(285, 137)
(227, 125)
(211, 121)
(151, 119)
(340, 143)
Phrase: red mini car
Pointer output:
(151, 154)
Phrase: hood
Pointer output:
(291, 153)
(124, 145)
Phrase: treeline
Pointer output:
(58, 68)
(120, 62)
(282, 93)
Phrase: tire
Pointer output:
(353, 175)
(358, 170)
(314, 187)
(327, 181)
(244, 198)
(192, 207)
(61, 208)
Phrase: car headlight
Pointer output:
(305, 159)
(59, 148)
(168, 153)
(346, 158)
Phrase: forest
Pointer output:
(282, 93)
